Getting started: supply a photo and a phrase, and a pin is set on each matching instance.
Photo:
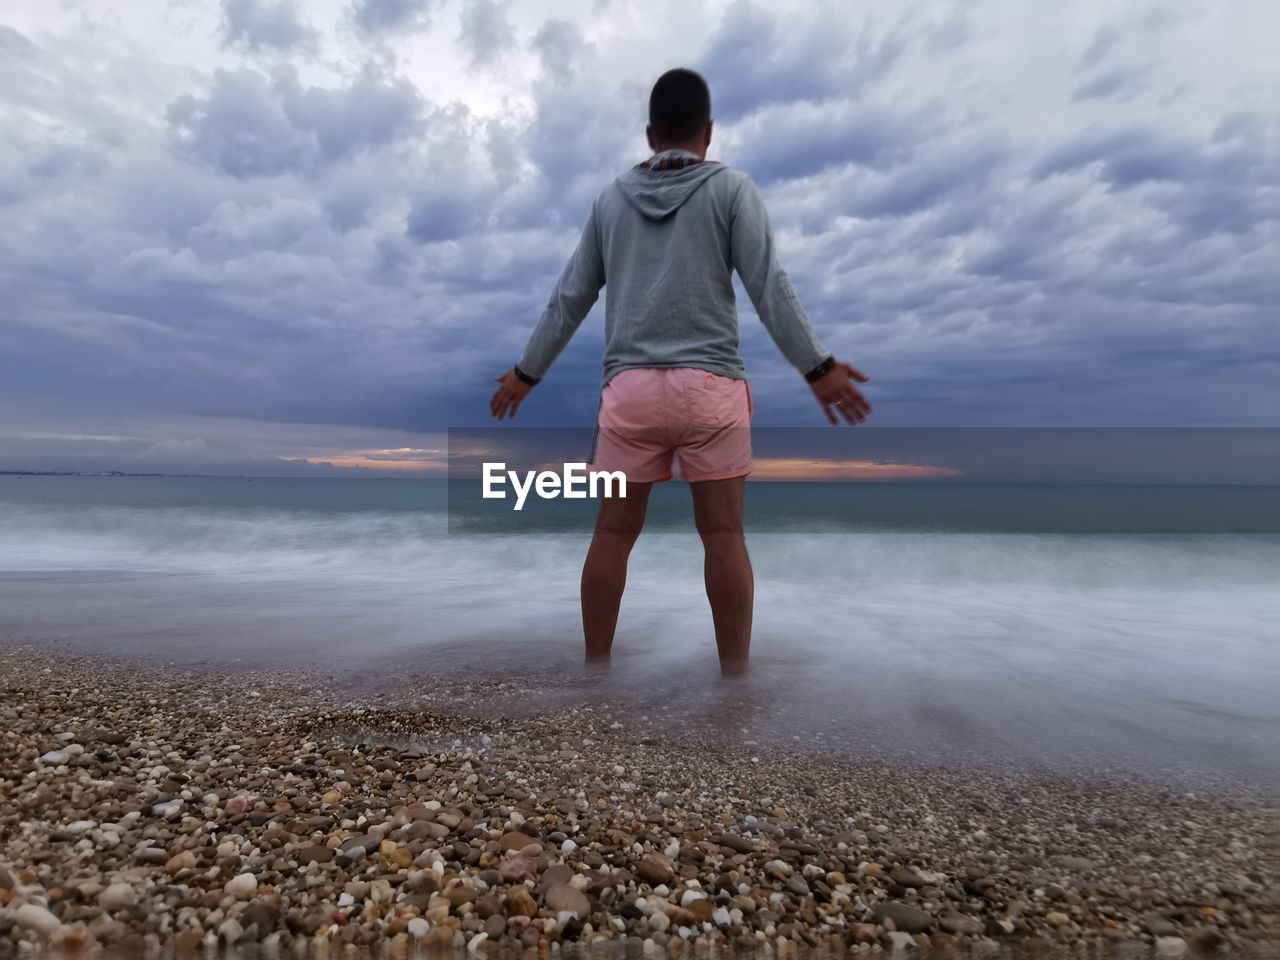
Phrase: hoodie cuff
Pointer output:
(531, 381)
(821, 370)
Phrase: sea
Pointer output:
(1118, 628)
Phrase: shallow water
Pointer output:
(1117, 650)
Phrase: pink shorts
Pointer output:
(649, 414)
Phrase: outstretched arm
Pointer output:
(575, 293)
(775, 300)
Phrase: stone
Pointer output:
(959, 924)
(1161, 927)
(461, 893)
(567, 898)
(655, 870)
(261, 918)
(118, 896)
(55, 758)
(514, 840)
(315, 853)
(903, 916)
(1073, 863)
(185, 860)
(1170, 947)
(495, 926)
(702, 910)
(735, 843)
(902, 942)
(520, 903)
(517, 868)
(32, 916)
(907, 877)
(797, 885)
(242, 886)
(418, 928)
(1056, 919)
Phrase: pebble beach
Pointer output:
(163, 810)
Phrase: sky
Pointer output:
(267, 236)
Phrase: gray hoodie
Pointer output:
(667, 241)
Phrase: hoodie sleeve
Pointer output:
(575, 293)
(770, 289)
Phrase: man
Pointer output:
(666, 237)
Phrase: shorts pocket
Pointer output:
(714, 401)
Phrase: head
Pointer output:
(680, 113)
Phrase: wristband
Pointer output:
(820, 371)
(531, 381)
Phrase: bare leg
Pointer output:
(604, 575)
(717, 510)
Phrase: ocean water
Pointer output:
(1094, 625)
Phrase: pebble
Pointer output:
(55, 758)
(563, 897)
(1171, 947)
(118, 896)
(32, 916)
(242, 886)
(903, 916)
(655, 870)
(385, 829)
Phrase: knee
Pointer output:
(617, 536)
(723, 543)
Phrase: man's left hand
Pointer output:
(511, 391)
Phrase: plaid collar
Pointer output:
(669, 160)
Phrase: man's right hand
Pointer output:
(835, 391)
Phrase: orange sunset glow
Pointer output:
(399, 460)
(801, 469)
(798, 469)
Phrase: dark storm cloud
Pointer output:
(560, 48)
(787, 143)
(345, 248)
(486, 30)
(1113, 83)
(13, 43)
(757, 58)
(1125, 157)
(396, 16)
(266, 25)
(251, 124)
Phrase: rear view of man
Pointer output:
(666, 236)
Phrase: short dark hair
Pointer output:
(680, 105)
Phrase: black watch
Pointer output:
(531, 381)
(818, 372)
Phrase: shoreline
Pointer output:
(153, 808)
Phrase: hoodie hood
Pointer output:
(660, 186)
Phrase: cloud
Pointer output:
(561, 49)
(353, 243)
(756, 58)
(266, 25)
(1126, 157)
(13, 43)
(376, 17)
(1120, 82)
(251, 124)
(802, 139)
(486, 31)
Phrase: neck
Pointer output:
(697, 149)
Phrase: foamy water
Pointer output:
(1126, 650)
